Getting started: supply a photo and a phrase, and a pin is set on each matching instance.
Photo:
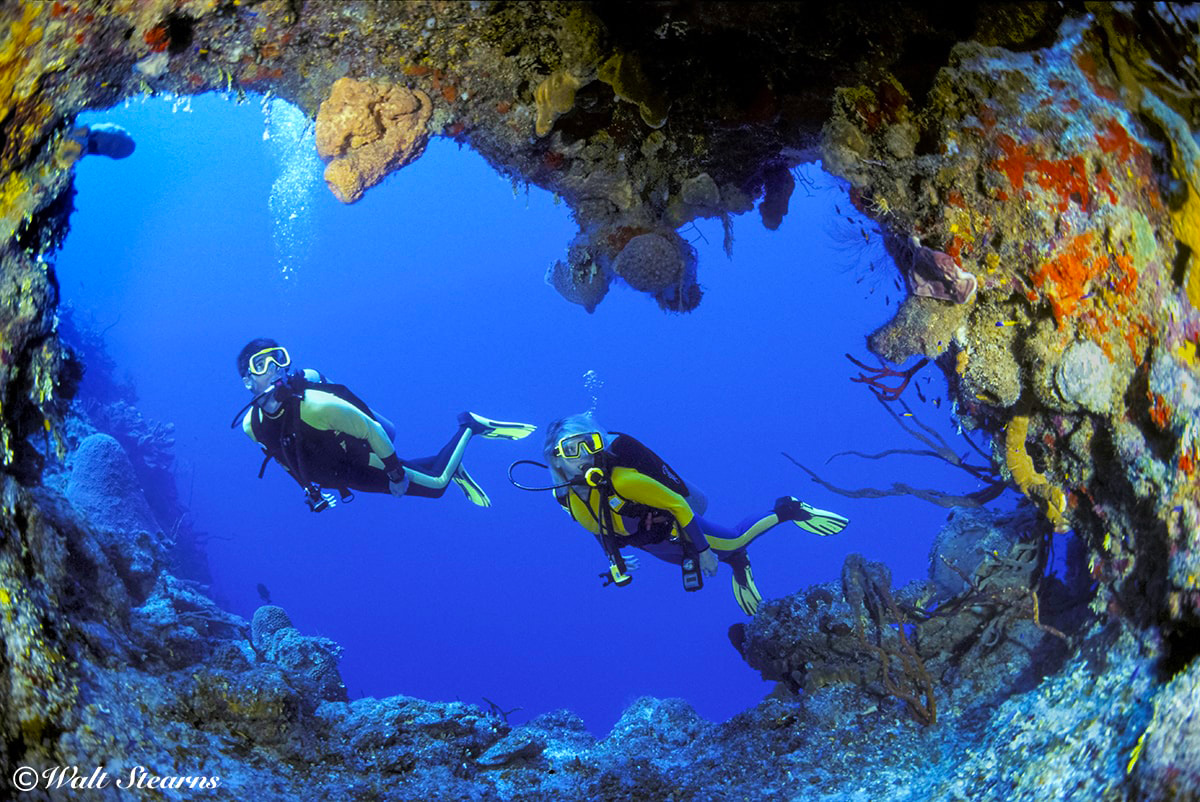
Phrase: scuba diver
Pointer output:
(326, 437)
(626, 495)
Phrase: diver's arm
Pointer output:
(248, 425)
(325, 411)
(580, 512)
(389, 428)
(638, 487)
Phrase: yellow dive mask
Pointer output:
(262, 361)
(574, 446)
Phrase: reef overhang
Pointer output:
(1033, 165)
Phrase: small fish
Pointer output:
(1000, 323)
(263, 593)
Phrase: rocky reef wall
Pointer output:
(1034, 168)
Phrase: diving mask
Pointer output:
(574, 446)
(262, 361)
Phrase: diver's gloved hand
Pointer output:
(318, 501)
(398, 482)
(631, 561)
(708, 562)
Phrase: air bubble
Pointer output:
(292, 142)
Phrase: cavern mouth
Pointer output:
(1034, 165)
(184, 251)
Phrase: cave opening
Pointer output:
(427, 298)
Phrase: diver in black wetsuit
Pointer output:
(326, 437)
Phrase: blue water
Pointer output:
(427, 298)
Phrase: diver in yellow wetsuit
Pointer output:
(325, 437)
(626, 495)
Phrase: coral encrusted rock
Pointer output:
(366, 130)
(103, 487)
(309, 663)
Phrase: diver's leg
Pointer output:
(430, 475)
(730, 546)
(788, 508)
(504, 430)
(728, 541)
(808, 517)
(666, 550)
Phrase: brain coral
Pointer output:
(366, 130)
(267, 620)
(650, 263)
(310, 664)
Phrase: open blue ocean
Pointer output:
(427, 298)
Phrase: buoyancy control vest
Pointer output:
(626, 451)
(313, 457)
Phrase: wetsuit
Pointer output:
(651, 516)
(334, 443)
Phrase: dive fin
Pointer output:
(809, 518)
(745, 591)
(471, 488)
(503, 430)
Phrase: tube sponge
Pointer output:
(554, 96)
(623, 72)
(1033, 484)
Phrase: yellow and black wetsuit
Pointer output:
(651, 511)
(651, 516)
(321, 436)
(651, 506)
